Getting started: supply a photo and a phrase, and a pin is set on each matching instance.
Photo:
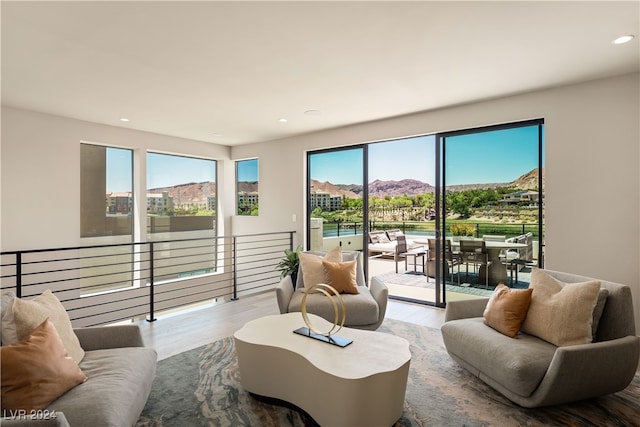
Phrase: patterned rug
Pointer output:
(201, 388)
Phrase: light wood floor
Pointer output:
(174, 333)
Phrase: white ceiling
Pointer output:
(226, 72)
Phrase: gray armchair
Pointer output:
(365, 310)
(532, 372)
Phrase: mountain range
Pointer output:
(191, 192)
(412, 187)
(199, 191)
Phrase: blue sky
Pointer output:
(498, 156)
(488, 157)
(247, 170)
(162, 170)
(166, 170)
(119, 170)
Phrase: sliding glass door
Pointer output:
(401, 189)
(335, 199)
(493, 203)
(425, 194)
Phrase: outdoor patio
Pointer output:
(415, 285)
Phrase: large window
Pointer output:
(493, 190)
(106, 216)
(247, 187)
(181, 194)
(106, 191)
(335, 199)
(182, 204)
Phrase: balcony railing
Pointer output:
(427, 228)
(104, 284)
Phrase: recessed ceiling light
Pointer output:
(623, 39)
(124, 119)
(283, 120)
(312, 112)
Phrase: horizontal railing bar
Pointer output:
(70, 310)
(248, 282)
(81, 258)
(210, 254)
(208, 291)
(172, 307)
(254, 261)
(197, 285)
(108, 245)
(112, 311)
(84, 267)
(283, 240)
(257, 287)
(48, 282)
(113, 245)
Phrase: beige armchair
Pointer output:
(364, 310)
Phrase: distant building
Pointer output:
(159, 203)
(531, 198)
(211, 203)
(247, 198)
(325, 201)
(119, 203)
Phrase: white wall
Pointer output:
(40, 175)
(592, 161)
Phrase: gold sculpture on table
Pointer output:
(338, 322)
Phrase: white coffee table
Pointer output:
(362, 384)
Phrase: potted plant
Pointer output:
(288, 266)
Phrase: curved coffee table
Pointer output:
(362, 384)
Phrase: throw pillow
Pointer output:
(37, 371)
(561, 313)
(312, 269)
(5, 302)
(598, 310)
(23, 316)
(393, 234)
(378, 237)
(383, 238)
(342, 276)
(507, 309)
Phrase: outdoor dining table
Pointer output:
(497, 270)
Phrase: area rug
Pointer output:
(201, 387)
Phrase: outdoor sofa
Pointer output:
(532, 372)
(385, 242)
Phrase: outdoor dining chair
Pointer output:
(474, 252)
(402, 252)
(450, 258)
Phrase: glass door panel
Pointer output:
(493, 192)
(401, 214)
(335, 199)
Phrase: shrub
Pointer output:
(462, 229)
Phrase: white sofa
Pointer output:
(384, 242)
